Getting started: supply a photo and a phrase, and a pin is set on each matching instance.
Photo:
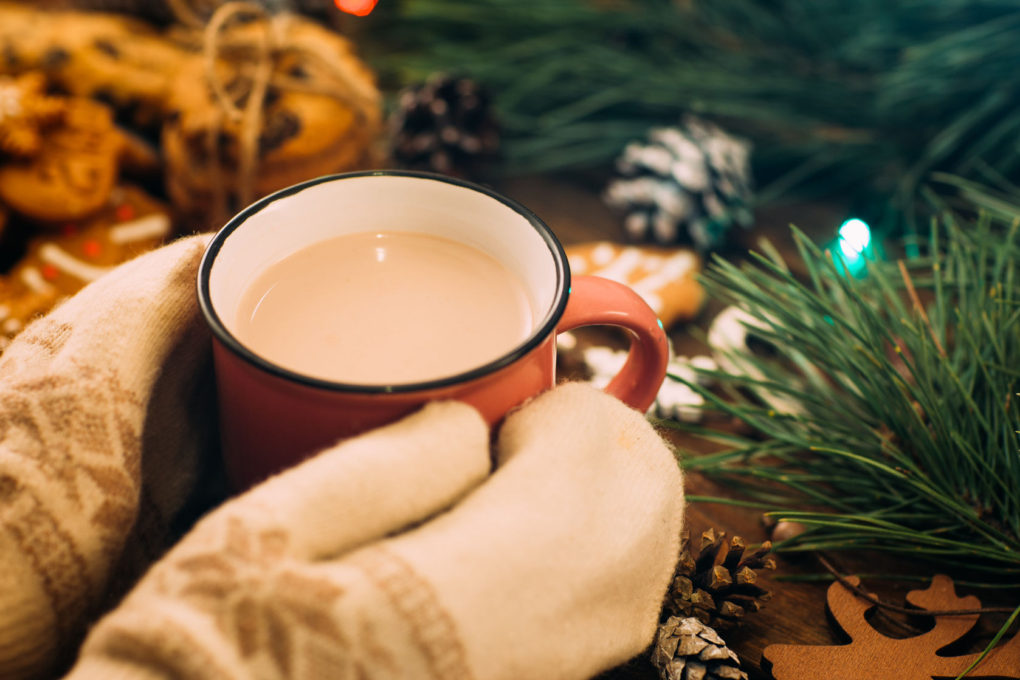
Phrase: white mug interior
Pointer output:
(302, 216)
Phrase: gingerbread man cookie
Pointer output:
(74, 170)
(664, 277)
(58, 265)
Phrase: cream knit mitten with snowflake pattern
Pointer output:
(101, 426)
(396, 556)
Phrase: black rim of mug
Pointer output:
(537, 336)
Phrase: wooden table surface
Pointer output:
(797, 613)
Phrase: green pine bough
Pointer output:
(862, 98)
(888, 417)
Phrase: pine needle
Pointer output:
(900, 432)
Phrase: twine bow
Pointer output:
(255, 56)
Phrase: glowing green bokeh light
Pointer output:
(854, 238)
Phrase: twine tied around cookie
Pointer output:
(255, 57)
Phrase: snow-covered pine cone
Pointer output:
(684, 184)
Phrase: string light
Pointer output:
(854, 237)
(359, 8)
(853, 246)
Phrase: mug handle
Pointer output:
(595, 301)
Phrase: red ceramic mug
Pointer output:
(272, 417)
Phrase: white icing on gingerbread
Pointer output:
(566, 341)
(148, 227)
(578, 264)
(675, 399)
(657, 276)
(53, 254)
(11, 326)
(34, 280)
(602, 254)
(625, 263)
(651, 299)
(605, 363)
(728, 338)
(676, 267)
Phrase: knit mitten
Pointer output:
(103, 415)
(394, 555)
(556, 567)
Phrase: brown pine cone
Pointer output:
(716, 582)
(687, 649)
(446, 125)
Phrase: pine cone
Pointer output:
(687, 649)
(446, 125)
(684, 184)
(718, 592)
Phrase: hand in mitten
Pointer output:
(104, 414)
(393, 555)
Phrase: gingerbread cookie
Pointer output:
(664, 277)
(73, 172)
(57, 266)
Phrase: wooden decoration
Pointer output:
(873, 655)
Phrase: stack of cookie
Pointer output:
(94, 107)
(316, 107)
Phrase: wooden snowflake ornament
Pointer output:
(872, 655)
(25, 112)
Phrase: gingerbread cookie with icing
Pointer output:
(74, 170)
(664, 277)
(58, 265)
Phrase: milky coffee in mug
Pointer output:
(381, 308)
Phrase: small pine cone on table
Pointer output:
(687, 649)
(715, 586)
(446, 125)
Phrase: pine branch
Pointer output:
(864, 99)
(903, 430)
